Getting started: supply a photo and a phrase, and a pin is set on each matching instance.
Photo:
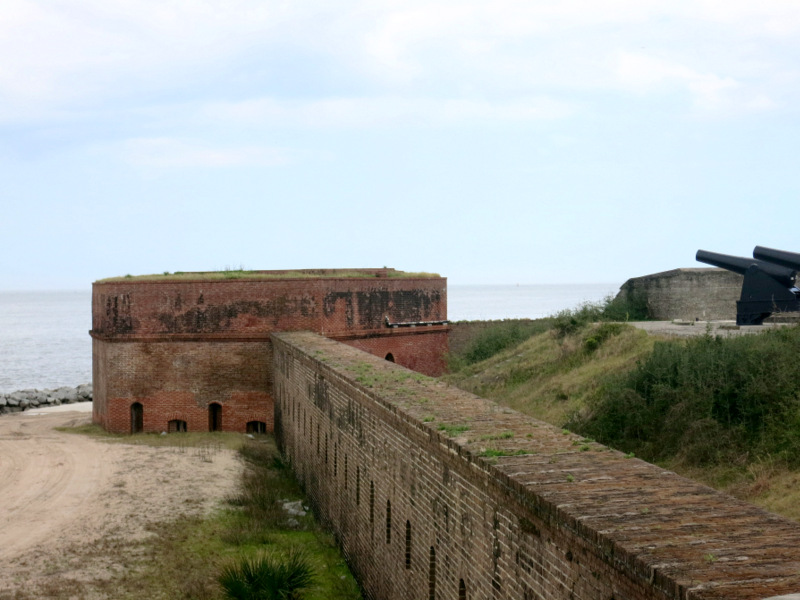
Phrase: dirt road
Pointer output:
(67, 500)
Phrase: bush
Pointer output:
(268, 577)
(705, 400)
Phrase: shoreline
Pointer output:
(22, 400)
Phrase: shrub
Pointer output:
(705, 400)
(268, 577)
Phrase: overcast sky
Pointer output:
(492, 142)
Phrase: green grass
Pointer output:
(550, 376)
(705, 400)
(723, 411)
(453, 430)
(184, 558)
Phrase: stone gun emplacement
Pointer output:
(769, 282)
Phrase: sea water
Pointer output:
(45, 343)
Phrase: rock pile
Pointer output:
(25, 399)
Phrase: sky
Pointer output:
(493, 142)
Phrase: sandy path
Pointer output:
(65, 499)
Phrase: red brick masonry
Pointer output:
(177, 347)
(435, 493)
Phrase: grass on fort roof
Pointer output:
(292, 274)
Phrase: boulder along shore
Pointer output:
(11, 402)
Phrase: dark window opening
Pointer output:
(462, 590)
(408, 544)
(137, 417)
(432, 576)
(215, 417)
(371, 502)
(256, 427)
(176, 426)
(358, 486)
(345, 471)
(388, 522)
(390, 357)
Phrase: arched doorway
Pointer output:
(390, 357)
(215, 417)
(137, 417)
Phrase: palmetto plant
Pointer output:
(268, 577)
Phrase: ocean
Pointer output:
(45, 343)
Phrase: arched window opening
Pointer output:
(326, 448)
(390, 357)
(176, 426)
(256, 427)
(462, 590)
(215, 417)
(137, 417)
(432, 576)
(408, 544)
(388, 522)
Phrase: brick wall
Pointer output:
(435, 493)
(176, 347)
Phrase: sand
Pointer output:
(74, 509)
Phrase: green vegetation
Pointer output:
(492, 452)
(724, 411)
(705, 401)
(241, 273)
(253, 544)
(453, 430)
(268, 577)
(496, 338)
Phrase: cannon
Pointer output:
(769, 282)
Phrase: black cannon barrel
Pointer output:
(778, 257)
(740, 264)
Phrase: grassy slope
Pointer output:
(550, 378)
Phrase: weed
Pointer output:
(570, 477)
(453, 430)
(506, 435)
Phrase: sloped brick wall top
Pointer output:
(548, 514)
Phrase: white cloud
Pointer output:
(171, 153)
(57, 57)
(383, 111)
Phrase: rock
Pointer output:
(2, 400)
(295, 509)
(24, 403)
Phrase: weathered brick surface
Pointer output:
(178, 346)
(705, 294)
(379, 450)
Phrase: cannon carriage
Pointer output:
(769, 284)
